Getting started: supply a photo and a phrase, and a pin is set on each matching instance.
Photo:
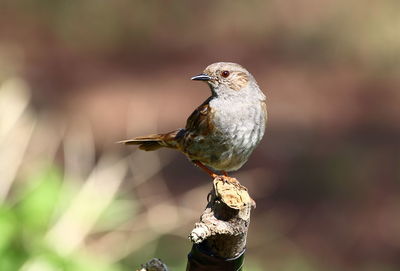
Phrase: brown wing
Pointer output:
(264, 108)
(199, 122)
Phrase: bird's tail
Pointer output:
(156, 141)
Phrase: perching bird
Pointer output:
(224, 130)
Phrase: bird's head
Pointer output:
(226, 78)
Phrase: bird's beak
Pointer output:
(201, 77)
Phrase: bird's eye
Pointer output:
(225, 74)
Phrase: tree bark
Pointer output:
(220, 236)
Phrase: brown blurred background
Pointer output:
(326, 177)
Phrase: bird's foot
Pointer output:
(227, 179)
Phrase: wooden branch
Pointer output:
(219, 239)
(222, 230)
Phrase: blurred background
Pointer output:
(77, 76)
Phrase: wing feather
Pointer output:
(200, 121)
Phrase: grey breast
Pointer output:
(239, 127)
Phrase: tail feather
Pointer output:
(154, 142)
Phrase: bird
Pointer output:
(223, 131)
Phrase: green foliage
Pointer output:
(24, 225)
(38, 199)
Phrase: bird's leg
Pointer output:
(206, 169)
(225, 173)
